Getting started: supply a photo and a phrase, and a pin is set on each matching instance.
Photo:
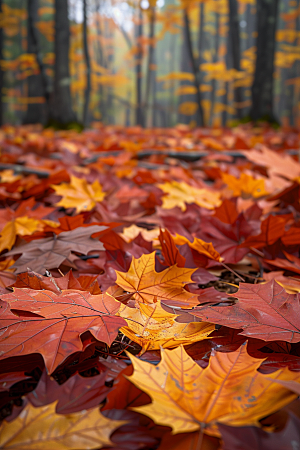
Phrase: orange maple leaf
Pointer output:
(229, 391)
(149, 286)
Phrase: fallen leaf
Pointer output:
(200, 246)
(180, 193)
(76, 394)
(149, 286)
(79, 194)
(245, 186)
(230, 390)
(152, 327)
(51, 324)
(263, 311)
(20, 226)
(41, 428)
(49, 253)
(169, 250)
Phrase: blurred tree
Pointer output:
(88, 66)
(262, 88)
(194, 65)
(1, 71)
(150, 74)
(61, 112)
(234, 46)
(138, 67)
(37, 112)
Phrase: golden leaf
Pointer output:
(245, 185)
(230, 390)
(21, 226)
(180, 193)
(41, 428)
(152, 327)
(149, 286)
(79, 194)
(202, 247)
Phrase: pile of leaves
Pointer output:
(150, 289)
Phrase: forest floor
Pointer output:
(150, 286)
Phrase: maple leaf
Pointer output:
(245, 186)
(152, 327)
(36, 281)
(20, 226)
(149, 286)
(42, 428)
(200, 246)
(272, 229)
(51, 324)
(229, 391)
(51, 252)
(264, 311)
(250, 438)
(283, 165)
(169, 250)
(226, 212)
(76, 394)
(180, 193)
(79, 194)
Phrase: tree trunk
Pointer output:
(150, 70)
(234, 44)
(1, 71)
(214, 81)
(37, 83)
(88, 67)
(138, 70)
(262, 88)
(61, 112)
(200, 117)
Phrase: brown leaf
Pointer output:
(51, 252)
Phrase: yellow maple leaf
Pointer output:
(41, 428)
(180, 193)
(229, 391)
(79, 194)
(246, 185)
(152, 327)
(149, 286)
(21, 226)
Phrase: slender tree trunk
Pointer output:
(37, 83)
(100, 58)
(138, 70)
(61, 111)
(88, 67)
(234, 43)
(1, 71)
(262, 88)
(150, 70)
(200, 117)
(214, 81)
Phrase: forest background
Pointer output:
(150, 62)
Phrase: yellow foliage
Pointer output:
(229, 391)
(152, 327)
(180, 193)
(185, 90)
(79, 194)
(188, 108)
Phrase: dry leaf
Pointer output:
(229, 391)
(41, 429)
(79, 194)
(149, 286)
(152, 327)
(180, 193)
